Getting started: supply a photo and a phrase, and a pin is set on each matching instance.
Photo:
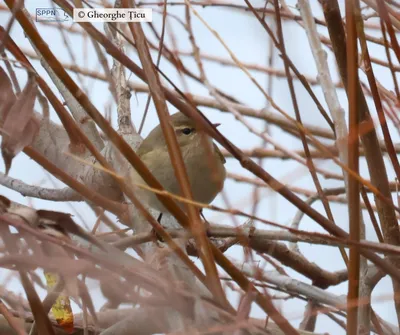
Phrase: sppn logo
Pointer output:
(51, 15)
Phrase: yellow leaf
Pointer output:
(61, 309)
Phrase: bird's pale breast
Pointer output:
(206, 174)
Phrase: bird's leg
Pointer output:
(206, 223)
(158, 237)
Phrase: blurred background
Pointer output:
(251, 45)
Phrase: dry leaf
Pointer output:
(61, 309)
(63, 223)
(20, 125)
(5, 203)
(7, 96)
(26, 213)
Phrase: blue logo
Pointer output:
(51, 14)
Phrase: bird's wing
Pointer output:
(144, 148)
(219, 153)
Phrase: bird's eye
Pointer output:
(187, 131)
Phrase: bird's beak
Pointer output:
(216, 124)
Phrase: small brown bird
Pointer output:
(206, 171)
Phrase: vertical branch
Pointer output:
(375, 95)
(383, 13)
(177, 159)
(354, 197)
(373, 152)
(389, 58)
(326, 81)
(365, 312)
(310, 162)
(364, 294)
(118, 80)
(267, 127)
(160, 52)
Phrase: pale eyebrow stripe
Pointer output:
(184, 127)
